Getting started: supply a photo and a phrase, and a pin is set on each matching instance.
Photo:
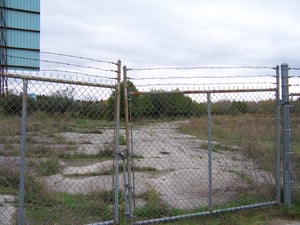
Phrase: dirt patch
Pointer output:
(283, 222)
(181, 167)
(91, 143)
(8, 210)
(185, 186)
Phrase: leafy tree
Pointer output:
(164, 104)
(111, 100)
(12, 104)
(238, 107)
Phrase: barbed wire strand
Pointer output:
(201, 67)
(295, 68)
(78, 57)
(205, 84)
(201, 77)
(295, 76)
(63, 63)
(78, 73)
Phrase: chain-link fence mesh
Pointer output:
(295, 134)
(70, 137)
(243, 158)
(206, 148)
(198, 141)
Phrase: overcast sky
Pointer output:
(174, 32)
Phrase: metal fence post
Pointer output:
(117, 150)
(278, 135)
(128, 147)
(286, 135)
(22, 154)
(209, 152)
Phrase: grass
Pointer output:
(249, 217)
(41, 123)
(10, 126)
(72, 209)
(122, 139)
(44, 139)
(253, 134)
(45, 150)
(219, 147)
(154, 207)
(63, 208)
(258, 216)
(111, 171)
(43, 205)
(9, 181)
(105, 154)
(49, 167)
(230, 129)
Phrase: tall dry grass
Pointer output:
(252, 134)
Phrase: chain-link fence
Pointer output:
(195, 141)
(295, 133)
(208, 148)
(57, 150)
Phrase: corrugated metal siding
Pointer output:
(23, 35)
(22, 59)
(21, 39)
(32, 5)
(22, 20)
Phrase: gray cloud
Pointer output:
(176, 33)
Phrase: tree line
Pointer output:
(156, 105)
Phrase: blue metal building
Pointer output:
(20, 34)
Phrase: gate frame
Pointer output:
(116, 87)
(208, 93)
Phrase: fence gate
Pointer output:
(59, 138)
(204, 150)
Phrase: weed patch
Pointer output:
(154, 207)
(252, 135)
(49, 167)
(42, 205)
(105, 154)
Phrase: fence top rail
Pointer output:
(56, 80)
(202, 91)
